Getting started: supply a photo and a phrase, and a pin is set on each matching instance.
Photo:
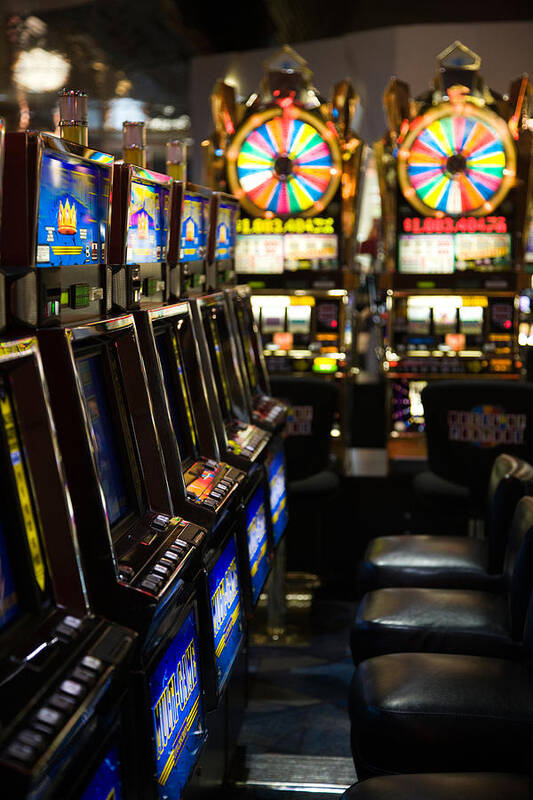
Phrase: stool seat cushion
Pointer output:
(443, 712)
(456, 786)
(432, 621)
(320, 483)
(426, 561)
(431, 491)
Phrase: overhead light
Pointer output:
(39, 70)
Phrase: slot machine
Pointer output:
(454, 177)
(224, 213)
(188, 256)
(240, 442)
(63, 671)
(139, 227)
(267, 412)
(3, 310)
(207, 489)
(139, 560)
(55, 222)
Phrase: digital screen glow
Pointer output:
(225, 233)
(9, 606)
(257, 538)
(177, 711)
(194, 224)
(278, 495)
(407, 408)
(73, 203)
(107, 450)
(447, 253)
(106, 783)
(147, 223)
(226, 610)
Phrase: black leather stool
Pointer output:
(443, 713)
(469, 423)
(459, 786)
(453, 620)
(452, 561)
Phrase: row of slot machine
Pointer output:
(454, 172)
(143, 485)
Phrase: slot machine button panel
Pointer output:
(171, 556)
(160, 569)
(73, 688)
(84, 676)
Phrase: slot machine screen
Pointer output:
(407, 408)
(445, 315)
(244, 325)
(106, 782)
(418, 317)
(9, 603)
(229, 405)
(194, 226)
(225, 230)
(299, 319)
(177, 391)
(177, 711)
(278, 494)
(471, 319)
(257, 539)
(72, 216)
(20, 515)
(147, 222)
(107, 446)
(231, 368)
(226, 610)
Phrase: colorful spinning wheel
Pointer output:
(457, 160)
(284, 162)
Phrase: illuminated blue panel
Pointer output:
(9, 606)
(107, 451)
(147, 223)
(72, 212)
(226, 609)
(177, 711)
(278, 495)
(106, 783)
(256, 535)
(225, 236)
(194, 221)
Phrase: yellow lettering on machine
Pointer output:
(28, 516)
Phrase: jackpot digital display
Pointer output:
(147, 223)
(107, 450)
(225, 233)
(447, 253)
(72, 216)
(226, 611)
(257, 539)
(177, 711)
(106, 783)
(194, 226)
(9, 605)
(278, 495)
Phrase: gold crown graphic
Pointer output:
(142, 226)
(189, 230)
(66, 218)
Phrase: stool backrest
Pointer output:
(313, 404)
(518, 565)
(510, 479)
(469, 423)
